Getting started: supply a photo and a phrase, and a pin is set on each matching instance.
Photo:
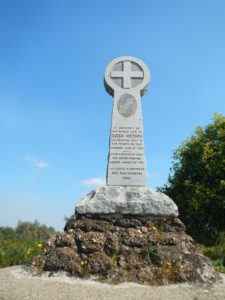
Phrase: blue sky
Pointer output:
(55, 114)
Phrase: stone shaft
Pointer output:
(126, 162)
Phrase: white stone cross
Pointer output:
(127, 74)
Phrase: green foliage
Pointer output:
(150, 248)
(19, 246)
(218, 265)
(197, 181)
(151, 252)
(216, 253)
(34, 230)
(85, 271)
(113, 259)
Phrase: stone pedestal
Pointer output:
(121, 234)
(140, 201)
(117, 248)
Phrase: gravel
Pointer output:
(16, 283)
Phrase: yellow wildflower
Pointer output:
(39, 245)
(152, 228)
(169, 264)
(82, 263)
(29, 251)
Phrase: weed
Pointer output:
(151, 252)
(113, 259)
(85, 271)
(219, 265)
(216, 253)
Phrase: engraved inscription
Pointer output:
(127, 153)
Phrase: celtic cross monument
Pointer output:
(126, 216)
(126, 79)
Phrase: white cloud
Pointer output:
(41, 165)
(38, 163)
(98, 182)
(152, 175)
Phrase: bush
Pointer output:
(19, 246)
(197, 181)
(216, 253)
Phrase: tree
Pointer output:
(34, 230)
(197, 181)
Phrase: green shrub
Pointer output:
(196, 181)
(19, 246)
(216, 253)
(18, 251)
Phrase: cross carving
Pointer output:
(127, 74)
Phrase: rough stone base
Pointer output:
(152, 250)
(127, 200)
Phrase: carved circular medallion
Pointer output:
(127, 105)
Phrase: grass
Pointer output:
(114, 258)
(151, 252)
(216, 253)
(218, 265)
(18, 251)
(19, 246)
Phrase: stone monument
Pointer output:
(126, 79)
(126, 231)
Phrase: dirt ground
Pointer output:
(17, 284)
